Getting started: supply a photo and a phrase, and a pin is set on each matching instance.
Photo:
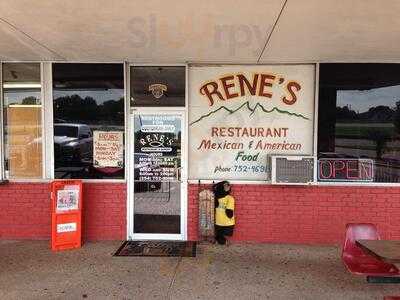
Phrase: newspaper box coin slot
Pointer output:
(66, 214)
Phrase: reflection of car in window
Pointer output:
(73, 144)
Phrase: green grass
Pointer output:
(357, 131)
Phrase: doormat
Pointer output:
(157, 248)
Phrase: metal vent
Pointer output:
(292, 169)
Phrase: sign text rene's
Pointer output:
(238, 85)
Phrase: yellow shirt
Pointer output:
(221, 219)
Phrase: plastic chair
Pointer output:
(356, 260)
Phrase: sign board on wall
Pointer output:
(108, 147)
(240, 114)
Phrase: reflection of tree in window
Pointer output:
(359, 115)
(88, 97)
(30, 101)
(397, 117)
(74, 108)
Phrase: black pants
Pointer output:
(221, 232)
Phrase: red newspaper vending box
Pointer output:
(66, 214)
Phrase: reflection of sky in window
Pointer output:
(16, 96)
(176, 121)
(100, 96)
(362, 101)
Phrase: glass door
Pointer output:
(159, 194)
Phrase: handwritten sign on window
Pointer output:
(108, 149)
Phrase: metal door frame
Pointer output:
(130, 190)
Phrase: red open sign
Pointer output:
(345, 169)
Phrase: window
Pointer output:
(157, 86)
(88, 105)
(22, 120)
(359, 122)
(68, 131)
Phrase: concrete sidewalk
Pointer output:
(29, 270)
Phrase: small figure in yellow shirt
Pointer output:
(224, 212)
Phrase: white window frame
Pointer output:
(185, 159)
(46, 77)
(2, 148)
(47, 125)
(339, 183)
(2, 174)
(47, 120)
(51, 172)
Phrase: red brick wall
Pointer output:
(264, 213)
(105, 211)
(25, 211)
(311, 215)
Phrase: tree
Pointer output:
(396, 120)
(380, 138)
(31, 100)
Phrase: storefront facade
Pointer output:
(307, 147)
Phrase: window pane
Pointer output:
(157, 165)
(359, 122)
(22, 120)
(88, 120)
(158, 86)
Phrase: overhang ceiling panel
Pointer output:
(336, 31)
(14, 45)
(147, 31)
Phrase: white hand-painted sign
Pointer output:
(108, 149)
(240, 114)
